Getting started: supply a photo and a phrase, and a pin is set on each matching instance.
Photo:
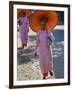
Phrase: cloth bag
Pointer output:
(50, 38)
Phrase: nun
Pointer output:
(23, 23)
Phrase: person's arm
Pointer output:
(37, 44)
(27, 23)
(37, 41)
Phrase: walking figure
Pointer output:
(45, 51)
(23, 28)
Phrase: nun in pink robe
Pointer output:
(45, 53)
(24, 29)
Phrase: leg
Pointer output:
(25, 45)
(45, 75)
(22, 45)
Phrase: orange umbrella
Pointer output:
(36, 17)
(20, 11)
(27, 12)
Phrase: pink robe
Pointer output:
(24, 29)
(45, 53)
